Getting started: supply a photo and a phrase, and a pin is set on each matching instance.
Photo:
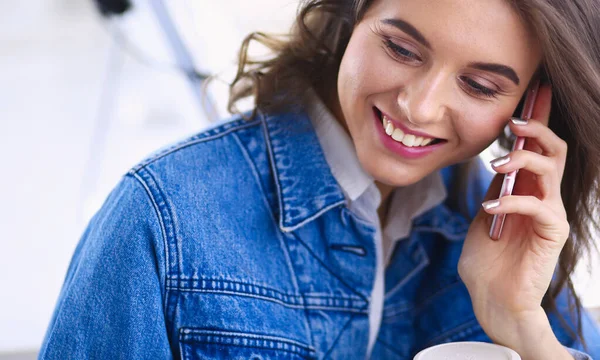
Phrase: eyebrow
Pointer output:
(499, 69)
(409, 29)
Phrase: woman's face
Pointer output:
(444, 73)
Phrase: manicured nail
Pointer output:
(518, 121)
(500, 161)
(490, 204)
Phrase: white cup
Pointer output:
(470, 350)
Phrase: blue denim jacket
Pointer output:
(237, 244)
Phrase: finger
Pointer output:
(545, 138)
(544, 168)
(492, 193)
(543, 104)
(547, 223)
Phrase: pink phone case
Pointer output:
(509, 179)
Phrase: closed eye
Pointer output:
(476, 88)
(401, 52)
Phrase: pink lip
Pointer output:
(401, 149)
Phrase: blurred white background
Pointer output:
(79, 107)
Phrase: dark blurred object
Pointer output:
(113, 7)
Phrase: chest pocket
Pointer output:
(198, 343)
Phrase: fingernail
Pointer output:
(490, 204)
(500, 161)
(518, 121)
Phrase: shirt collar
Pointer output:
(411, 202)
(338, 149)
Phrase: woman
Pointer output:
(341, 219)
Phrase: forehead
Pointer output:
(471, 30)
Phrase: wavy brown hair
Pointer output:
(569, 33)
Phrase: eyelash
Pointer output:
(473, 87)
(478, 89)
(401, 52)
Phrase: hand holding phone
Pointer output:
(509, 179)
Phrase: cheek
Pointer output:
(476, 134)
(365, 67)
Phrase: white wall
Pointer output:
(61, 151)
(63, 145)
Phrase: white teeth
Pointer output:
(408, 140)
(389, 128)
(398, 135)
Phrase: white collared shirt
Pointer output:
(363, 198)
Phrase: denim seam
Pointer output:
(281, 236)
(257, 178)
(163, 232)
(270, 342)
(167, 218)
(366, 299)
(202, 283)
(172, 256)
(424, 263)
(287, 229)
(203, 137)
(337, 339)
(274, 172)
(301, 303)
(392, 312)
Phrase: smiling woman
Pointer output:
(341, 218)
(455, 71)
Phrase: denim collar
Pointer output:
(306, 188)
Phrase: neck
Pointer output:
(386, 192)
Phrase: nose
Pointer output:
(424, 99)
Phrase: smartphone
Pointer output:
(509, 179)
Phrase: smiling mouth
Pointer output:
(406, 139)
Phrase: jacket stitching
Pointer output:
(257, 178)
(274, 172)
(172, 256)
(393, 311)
(163, 232)
(263, 293)
(422, 265)
(246, 340)
(337, 339)
(329, 270)
(311, 218)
